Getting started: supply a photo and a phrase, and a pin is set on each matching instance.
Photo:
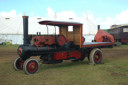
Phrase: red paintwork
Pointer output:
(39, 41)
(51, 40)
(61, 40)
(97, 57)
(21, 64)
(124, 41)
(67, 40)
(103, 34)
(66, 55)
(20, 51)
(83, 39)
(32, 66)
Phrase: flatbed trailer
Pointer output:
(67, 45)
(97, 44)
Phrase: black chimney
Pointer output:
(98, 27)
(25, 30)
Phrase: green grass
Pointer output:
(121, 47)
(9, 46)
(114, 71)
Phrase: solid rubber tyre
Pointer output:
(95, 56)
(31, 66)
(18, 64)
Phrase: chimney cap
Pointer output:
(25, 16)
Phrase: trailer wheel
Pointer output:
(31, 66)
(95, 56)
(18, 64)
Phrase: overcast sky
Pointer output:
(104, 12)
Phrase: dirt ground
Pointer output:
(115, 53)
(8, 52)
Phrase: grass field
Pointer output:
(114, 71)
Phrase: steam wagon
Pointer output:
(67, 45)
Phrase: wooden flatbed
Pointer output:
(96, 44)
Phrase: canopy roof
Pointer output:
(58, 23)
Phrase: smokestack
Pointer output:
(25, 30)
(98, 27)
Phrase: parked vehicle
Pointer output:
(67, 45)
(120, 33)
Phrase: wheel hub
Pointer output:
(32, 67)
(97, 57)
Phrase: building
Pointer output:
(120, 33)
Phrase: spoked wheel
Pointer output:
(18, 64)
(31, 66)
(95, 56)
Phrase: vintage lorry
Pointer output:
(67, 45)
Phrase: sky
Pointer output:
(104, 12)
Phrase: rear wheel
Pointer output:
(18, 64)
(95, 56)
(30, 66)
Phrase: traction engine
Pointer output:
(51, 49)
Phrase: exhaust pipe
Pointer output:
(98, 27)
(25, 30)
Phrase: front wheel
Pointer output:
(95, 56)
(18, 64)
(31, 66)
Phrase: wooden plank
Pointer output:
(63, 30)
(77, 35)
(76, 43)
(81, 35)
(97, 44)
(70, 36)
